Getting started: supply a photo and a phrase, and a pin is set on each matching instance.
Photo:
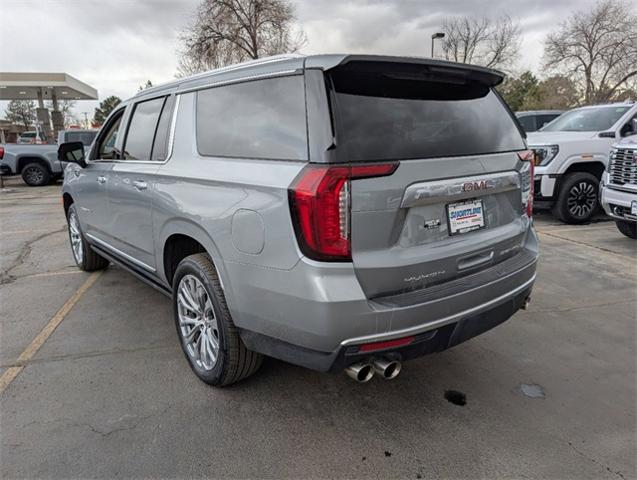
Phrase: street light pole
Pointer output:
(433, 37)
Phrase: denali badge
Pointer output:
(424, 276)
(473, 186)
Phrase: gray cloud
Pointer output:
(117, 45)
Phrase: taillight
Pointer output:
(1, 153)
(320, 205)
(527, 180)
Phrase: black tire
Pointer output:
(577, 200)
(627, 228)
(36, 175)
(234, 361)
(89, 260)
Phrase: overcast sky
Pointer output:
(116, 45)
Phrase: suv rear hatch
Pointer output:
(458, 202)
(454, 206)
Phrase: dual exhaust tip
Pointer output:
(363, 372)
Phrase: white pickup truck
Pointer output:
(618, 189)
(572, 154)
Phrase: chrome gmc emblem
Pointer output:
(474, 186)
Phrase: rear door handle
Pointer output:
(101, 179)
(475, 260)
(140, 185)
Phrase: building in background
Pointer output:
(43, 86)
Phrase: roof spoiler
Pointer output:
(415, 68)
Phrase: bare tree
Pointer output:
(230, 31)
(597, 49)
(21, 112)
(482, 41)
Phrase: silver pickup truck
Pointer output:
(38, 164)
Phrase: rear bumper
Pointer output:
(462, 328)
(5, 169)
(321, 308)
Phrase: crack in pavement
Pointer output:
(105, 432)
(82, 355)
(582, 454)
(25, 251)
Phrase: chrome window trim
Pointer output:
(118, 252)
(171, 141)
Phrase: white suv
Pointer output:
(572, 154)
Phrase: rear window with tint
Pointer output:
(85, 137)
(380, 117)
(257, 119)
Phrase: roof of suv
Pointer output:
(281, 64)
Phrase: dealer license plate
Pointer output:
(465, 216)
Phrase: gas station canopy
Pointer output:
(30, 85)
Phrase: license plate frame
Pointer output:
(633, 207)
(468, 222)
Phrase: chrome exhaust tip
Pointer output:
(526, 303)
(361, 372)
(386, 368)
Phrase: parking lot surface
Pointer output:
(108, 393)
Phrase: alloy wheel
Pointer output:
(197, 322)
(34, 175)
(76, 238)
(581, 199)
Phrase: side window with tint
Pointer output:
(544, 119)
(528, 123)
(142, 128)
(106, 149)
(85, 137)
(160, 145)
(630, 127)
(256, 119)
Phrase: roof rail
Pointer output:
(229, 68)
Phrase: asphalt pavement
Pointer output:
(96, 386)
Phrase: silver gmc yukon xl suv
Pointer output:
(339, 212)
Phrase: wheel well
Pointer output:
(67, 200)
(594, 168)
(177, 248)
(24, 161)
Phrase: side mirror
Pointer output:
(629, 128)
(72, 152)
